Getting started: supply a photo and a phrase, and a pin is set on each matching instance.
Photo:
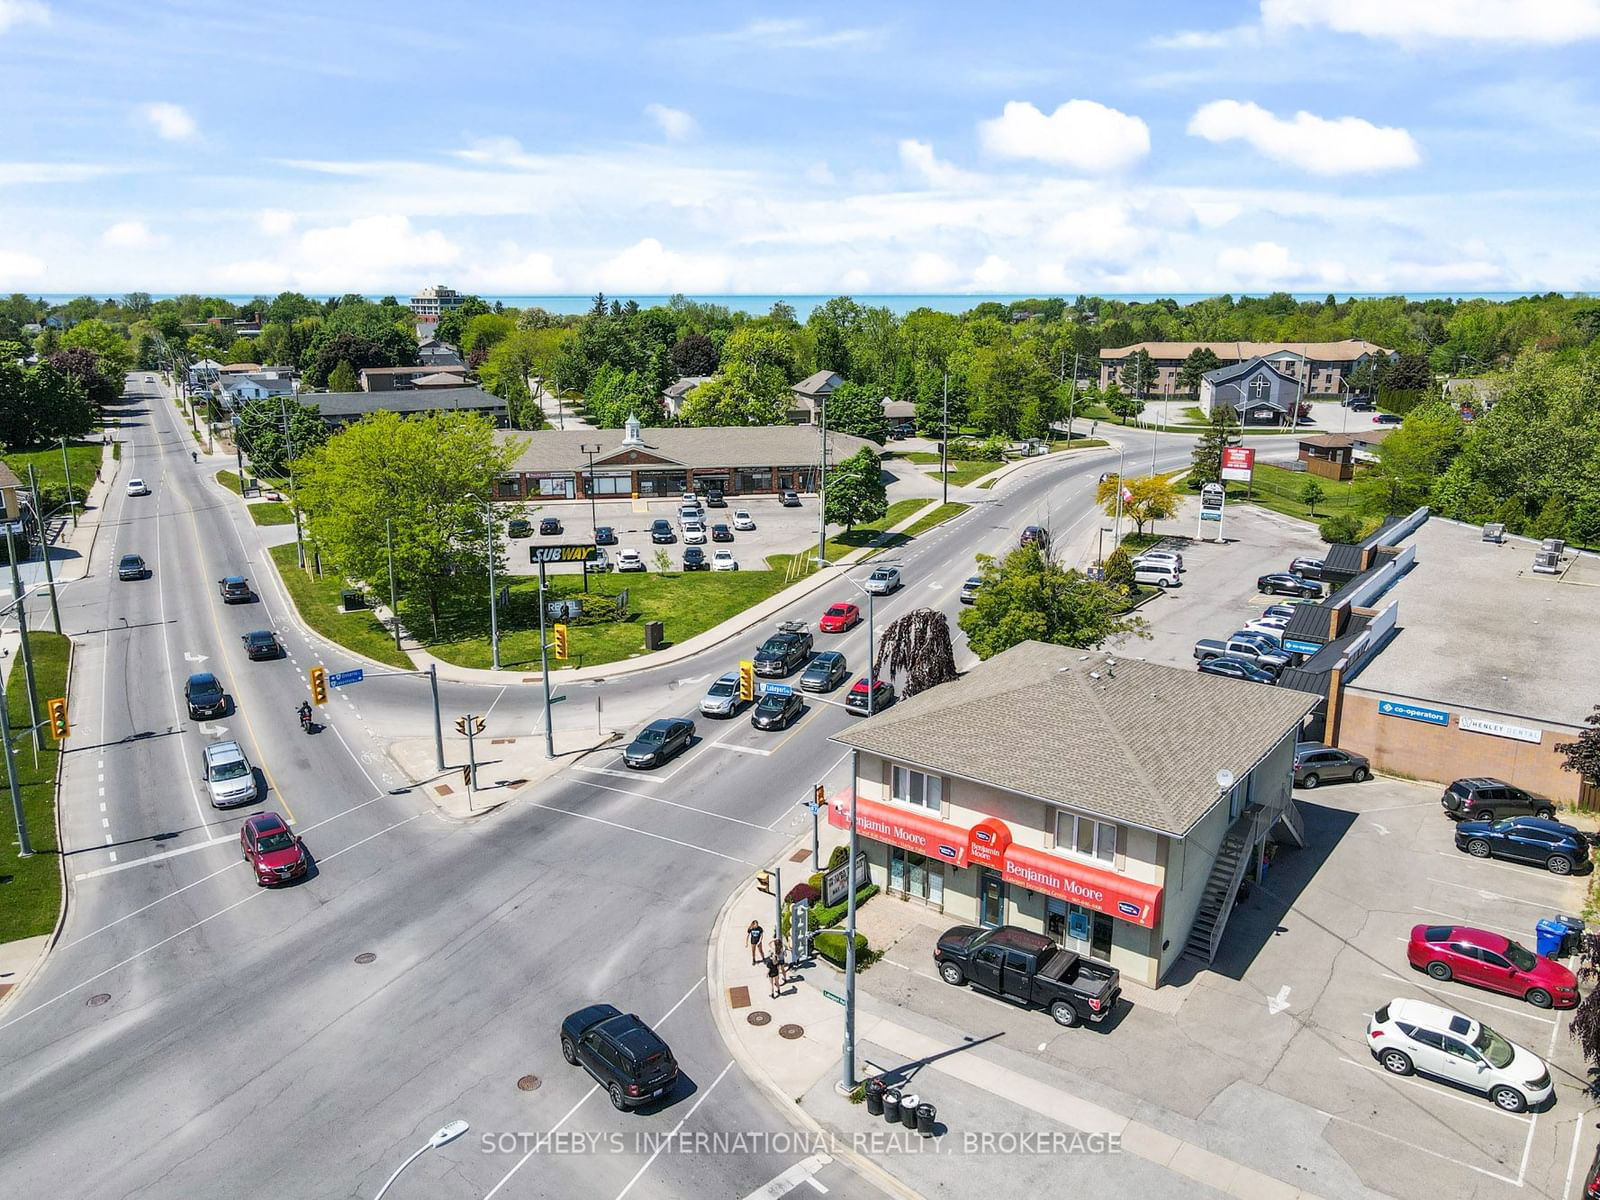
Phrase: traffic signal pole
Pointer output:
(544, 669)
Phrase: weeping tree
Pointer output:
(918, 644)
(1585, 1025)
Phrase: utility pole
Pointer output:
(66, 466)
(24, 846)
(544, 669)
(238, 451)
(22, 630)
(849, 1080)
(822, 483)
(294, 503)
(1072, 396)
(494, 615)
(591, 449)
(394, 606)
(944, 441)
(438, 721)
(44, 550)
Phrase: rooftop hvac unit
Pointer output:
(1546, 563)
(1556, 546)
(1494, 532)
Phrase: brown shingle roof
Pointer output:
(689, 446)
(1323, 351)
(1136, 742)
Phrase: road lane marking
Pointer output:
(662, 1145)
(633, 775)
(739, 748)
(567, 812)
(1489, 895)
(1454, 920)
(149, 858)
(673, 803)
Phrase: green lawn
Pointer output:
(965, 471)
(271, 512)
(30, 888)
(937, 517)
(229, 480)
(1079, 441)
(796, 565)
(318, 603)
(52, 476)
(1279, 490)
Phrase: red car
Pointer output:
(841, 618)
(1491, 961)
(272, 849)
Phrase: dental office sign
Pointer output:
(1521, 733)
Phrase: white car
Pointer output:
(1412, 1035)
(138, 487)
(1267, 629)
(228, 775)
(1164, 557)
(629, 560)
(743, 520)
(694, 533)
(883, 581)
(723, 560)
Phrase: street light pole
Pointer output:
(494, 614)
(944, 441)
(44, 549)
(66, 466)
(544, 670)
(442, 1138)
(294, 503)
(849, 1080)
(1116, 537)
(822, 483)
(22, 630)
(594, 516)
(394, 607)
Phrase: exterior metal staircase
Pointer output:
(1222, 888)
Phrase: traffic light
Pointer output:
(561, 641)
(819, 796)
(59, 726)
(747, 680)
(319, 685)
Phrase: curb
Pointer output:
(874, 1173)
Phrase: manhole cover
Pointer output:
(98, 999)
(529, 1083)
(365, 957)
(791, 1031)
(759, 1018)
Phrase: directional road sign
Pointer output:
(340, 678)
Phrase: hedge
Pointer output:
(823, 918)
(831, 946)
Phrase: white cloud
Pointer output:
(1209, 39)
(22, 12)
(856, 279)
(929, 271)
(648, 266)
(14, 173)
(275, 222)
(674, 122)
(993, 273)
(1106, 234)
(795, 34)
(1341, 146)
(820, 173)
(129, 235)
(515, 272)
(919, 157)
(16, 266)
(1080, 133)
(1262, 263)
(1542, 22)
(170, 121)
(368, 253)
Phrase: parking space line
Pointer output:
(1443, 1091)
(1456, 920)
(1488, 895)
(1413, 1146)
(1486, 1004)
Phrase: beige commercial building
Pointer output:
(1321, 368)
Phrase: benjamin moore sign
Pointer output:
(560, 554)
(1412, 712)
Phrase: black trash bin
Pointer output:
(653, 636)
(352, 599)
(875, 1090)
(908, 1109)
(891, 1106)
(925, 1116)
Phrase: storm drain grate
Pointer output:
(800, 856)
(759, 1018)
(98, 999)
(365, 957)
(529, 1083)
(790, 1032)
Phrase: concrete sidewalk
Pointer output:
(793, 1047)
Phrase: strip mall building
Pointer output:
(1113, 805)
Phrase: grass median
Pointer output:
(30, 888)
(937, 517)
(317, 601)
(262, 512)
(1279, 490)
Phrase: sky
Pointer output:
(872, 148)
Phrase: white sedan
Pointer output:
(694, 533)
(1411, 1035)
(138, 487)
(883, 581)
(743, 520)
(629, 560)
(723, 560)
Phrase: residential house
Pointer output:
(810, 394)
(436, 355)
(262, 385)
(395, 379)
(1113, 805)
(675, 394)
(204, 373)
(1335, 455)
(1322, 368)
(340, 408)
(431, 302)
(1258, 391)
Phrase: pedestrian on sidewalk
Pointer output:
(755, 933)
(777, 957)
(772, 974)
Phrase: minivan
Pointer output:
(1164, 575)
(228, 775)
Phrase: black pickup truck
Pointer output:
(785, 651)
(1029, 968)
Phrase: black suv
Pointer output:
(1486, 799)
(235, 589)
(782, 653)
(715, 499)
(549, 526)
(622, 1053)
(205, 697)
(1559, 849)
(661, 532)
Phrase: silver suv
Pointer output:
(229, 777)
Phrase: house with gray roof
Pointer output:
(1323, 368)
(673, 396)
(1259, 392)
(1112, 804)
(810, 394)
(341, 408)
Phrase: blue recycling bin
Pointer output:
(1548, 936)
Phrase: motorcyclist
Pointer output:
(195, 454)
(305, 713)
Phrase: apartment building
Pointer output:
(1320, 368)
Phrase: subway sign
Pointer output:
(560, 554)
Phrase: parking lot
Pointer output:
(778, 530)
(1272, 1039)
(1218, 593)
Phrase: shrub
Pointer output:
(831, 946)
(1119, 568)
(840, 853)
(1339, 529)
(822, 918)
(802, 891)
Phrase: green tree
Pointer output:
(1123, 406)
(1006, 378)
(1410, 460)
(1201, 359)
(267, 428)
(1343, 529)
(1149, 499)
(40, 404)
(1119, 569)
(107, 342)
(855, 491)
(452, 325)
(1138, 374)
(1311, 495)
(1552, 520)
(241, 350)
(482, 333)
(857, 410)
(1027, 597)
(1583, 755)
(420, 473)
(343, 378)
(1206, 458)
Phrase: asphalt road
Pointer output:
(193, 1034)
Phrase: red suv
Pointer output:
(1491, 961)
(275, 853)
(840, 618)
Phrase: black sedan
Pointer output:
(777, 710)
(625, 1056)
(721, 533)
(549, 525)
(694, 559)
(659, 741)
(1284, 584)
(1235, 667)
(204, 695)
(1559, 848)
(661, 533)
(261, 644)
(131, 566)
(604, 535)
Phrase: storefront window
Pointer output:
(508, 487)
(753, 479)
(554, 486)
(612, 484)
(663, 483)
(916, 877)
(913, 787)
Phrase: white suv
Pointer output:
(694, 533)
(229, 777)
(1411, 1035)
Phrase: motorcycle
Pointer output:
(195, 454)
(305, 716)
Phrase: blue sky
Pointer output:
(1244, 145)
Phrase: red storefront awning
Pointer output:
(988, 843)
